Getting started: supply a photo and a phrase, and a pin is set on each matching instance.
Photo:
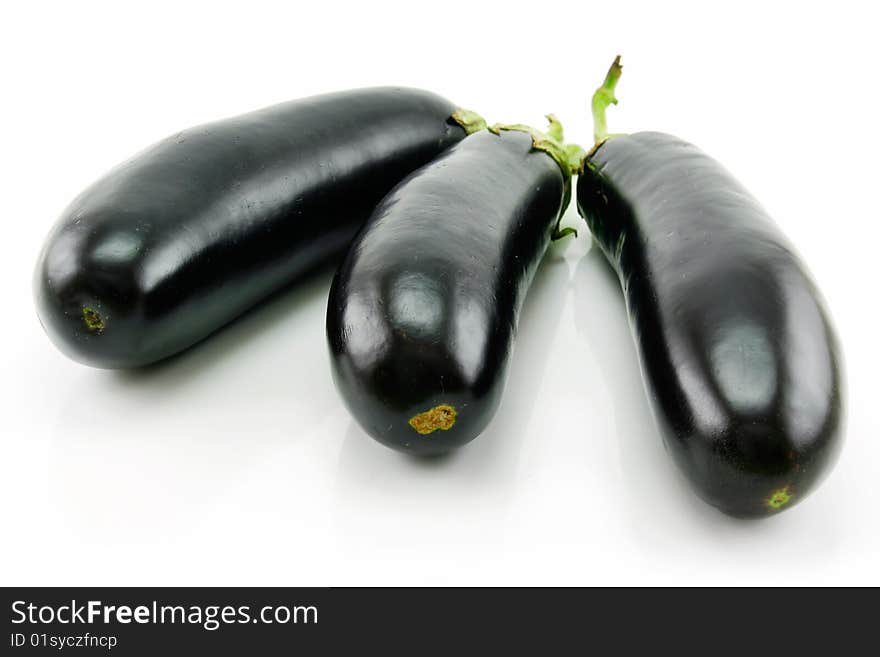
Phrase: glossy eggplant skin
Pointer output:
(739, 357)
(197, 229)
(423, 310)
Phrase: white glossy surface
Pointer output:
(236, 462)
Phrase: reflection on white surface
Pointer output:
(236, 463)
(465, 497)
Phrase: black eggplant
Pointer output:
(195, 230)
(738, 354)
(423, 310)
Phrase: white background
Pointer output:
(236, 463)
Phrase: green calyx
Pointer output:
(470, 121)
(567, 156)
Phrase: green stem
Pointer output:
(603, 98)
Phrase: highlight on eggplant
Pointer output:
(738, 354)
(423, 310)
(194, 231)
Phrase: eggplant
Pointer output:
(197, 229)
(737, 351)
(423, 310)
